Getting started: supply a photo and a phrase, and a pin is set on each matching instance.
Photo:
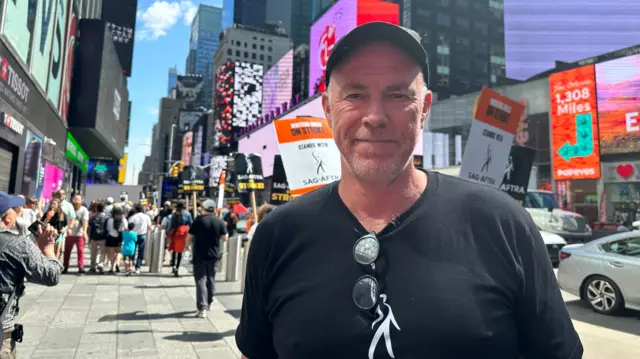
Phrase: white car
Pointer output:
(554, 244)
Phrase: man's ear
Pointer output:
(426, 108)
(326, 106)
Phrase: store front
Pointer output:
(31, 134)
(620, 191)
(77, 166)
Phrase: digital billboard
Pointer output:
(618, 85)
(120, 16)
(574, 130)
(247, 86)
(58, 52)
(43, 41)
(187, 145)
(18, 25)
(336, 22)
(186, 120)
(197, 147)
(69, 52)
(32, 178)
(278, 84)
(223, 104)
(189, 90)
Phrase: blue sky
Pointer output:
(162, 41)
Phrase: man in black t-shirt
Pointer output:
(392, 261)
(206, 232)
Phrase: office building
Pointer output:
(203, 43)
(465, 41)
(254, 45)
(294, 16)
(301, 71)
(173, 79)
(319, 6)
(244, 12)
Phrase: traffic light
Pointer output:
(180, 166)
(174, 171)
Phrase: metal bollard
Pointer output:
(233, 256)
(157, 255)
(222, 263)
(147, 247)
(245, 256)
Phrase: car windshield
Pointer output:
(540, 200)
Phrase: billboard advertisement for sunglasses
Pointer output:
(618, 86)
(43, 40)
(310, 156)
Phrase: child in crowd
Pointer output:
(129, 239)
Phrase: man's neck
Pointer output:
(382, 201)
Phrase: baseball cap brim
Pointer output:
(405, 39)
(9, 202)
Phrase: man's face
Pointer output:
(77, 201)
(61, 195)
(376, 106)
(9, 218)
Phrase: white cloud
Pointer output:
(153, 111)
(163, 15)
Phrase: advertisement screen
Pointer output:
(43, 40)
(120, 16)
(103, 172)
(53, 177)
(618, 84)
(32, 179)
(325, 32)
(18, 25)
(369, 11)
(574, 130)
(57, 53)
(278, 84)
(247, 86)
(218, 163)
(190, 90)
(223, 103)
(187, 145)
(70, 45)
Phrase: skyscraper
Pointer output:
(295, 16)
(203, 44)
(173, 79)
(244, 12)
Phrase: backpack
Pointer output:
(99, 226)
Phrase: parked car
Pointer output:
(605, 272)
(549, 217)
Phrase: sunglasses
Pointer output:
(366, 291)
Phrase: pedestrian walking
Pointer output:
(77, 234)
(97, 237)
(20, 260)
(142, 225)
(178, 230)
(205, 235)
(392, 261)
(116, 225)
(129, 240)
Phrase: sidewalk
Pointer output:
(115, 316)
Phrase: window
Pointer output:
(238, 53)
(255, 38)
(463, 3)
(481, 28)
(229, 52)
(246, 45)
(269, 49)
(443, 19)
(254, 46)
(261, 57)
(496, 5)
(462, 43)
(231, 42)
(246, 54)
(481, 47)
(625, 247)
(269, 58)
(442, 70)
(253, 55)
(480, 66)
(462, 63)
(462, 23)
(423, 13)
(262, 47)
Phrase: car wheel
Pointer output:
(603, 295)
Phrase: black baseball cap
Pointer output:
(405, 39)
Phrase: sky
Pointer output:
(538, 32)
(161, 42)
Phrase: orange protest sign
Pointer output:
(302, 128)
(498, 111)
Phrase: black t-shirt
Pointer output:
(464, 273)
(207, 230)
(231, 224)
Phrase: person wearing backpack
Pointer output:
(115, 226)
(178, 231)
(97, 237)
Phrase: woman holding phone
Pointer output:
(58, 220)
